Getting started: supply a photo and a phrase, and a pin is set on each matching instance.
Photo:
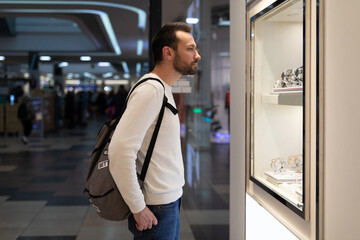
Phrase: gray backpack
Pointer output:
(100, 187)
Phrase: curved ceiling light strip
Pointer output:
(103, 16)
(141, 13)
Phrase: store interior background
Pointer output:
(41, 52)
(65, 35)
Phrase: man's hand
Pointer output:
(145, 219)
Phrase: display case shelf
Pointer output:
(293, 98)
(291, 192)
(284, 177)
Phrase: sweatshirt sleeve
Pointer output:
(142, 110)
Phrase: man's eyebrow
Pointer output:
(192, 45)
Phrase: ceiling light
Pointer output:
(126, 75)
(2, 58)
(141, 13)
(138, 69)
(104, 17)
(108, 27)
(89, 75)
(63, 64)
(85, 58)
(104, 64)
(116, 82)
(72, 82)
(140, 46)
(107, 75)
(224, 23)
(45, 58)
(192, 20)
(125, 66)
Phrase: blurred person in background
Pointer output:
(26, 114)
(119, 100)
(70, 108)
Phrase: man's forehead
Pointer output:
(185, 37)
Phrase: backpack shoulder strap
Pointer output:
(152, 142)
(168, 105)
(157, 128)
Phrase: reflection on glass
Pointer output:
(192, 166)
(277, 80)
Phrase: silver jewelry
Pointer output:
(290, 78)
(295, 162)
(277, 164)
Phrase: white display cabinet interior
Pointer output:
(277, 101)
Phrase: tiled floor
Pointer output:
(41, 190)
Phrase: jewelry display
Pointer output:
(295, 162)
(289, 171)
(287, 176)
(292, 78)
(277, 164)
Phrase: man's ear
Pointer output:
(167, 53)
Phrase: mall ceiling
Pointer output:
(114, 31)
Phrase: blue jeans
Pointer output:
(168, 227)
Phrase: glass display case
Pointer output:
(276, 102)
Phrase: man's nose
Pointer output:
(197, 57)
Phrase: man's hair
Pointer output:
(166, 36)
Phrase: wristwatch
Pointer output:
(277, 164)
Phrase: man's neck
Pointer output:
(168, 75)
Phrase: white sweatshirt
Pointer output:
(165, 176)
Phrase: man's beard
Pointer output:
(184, 68)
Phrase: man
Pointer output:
(156, 206)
